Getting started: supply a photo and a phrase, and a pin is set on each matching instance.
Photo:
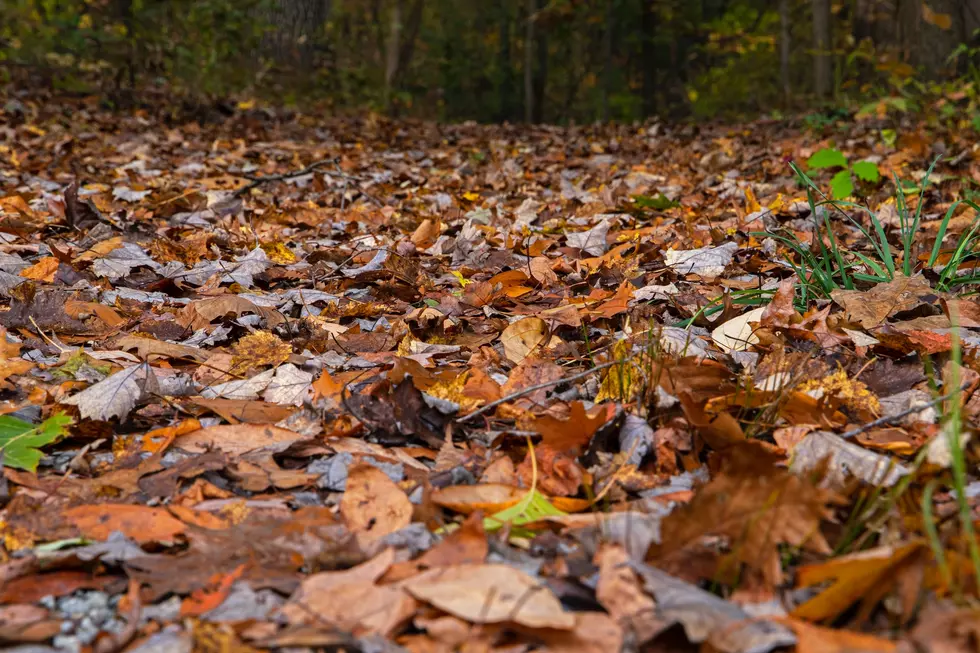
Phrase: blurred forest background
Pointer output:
(505, 60)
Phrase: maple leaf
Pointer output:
(572, 433)
(757, 507)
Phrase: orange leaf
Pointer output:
(140, 523)
(372, 505)
(208, 598)
(576, 431)
(43, 270)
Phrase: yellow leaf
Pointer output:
(523, 337)
(258, 349)
(279, 253)
(463, 281)
(942, 21)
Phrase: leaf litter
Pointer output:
(330, 382)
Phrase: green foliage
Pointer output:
(827, 158)
(20, 441)
(866, 171)
(842, 183)
(831, 266)
(202, 47)
(660, 202)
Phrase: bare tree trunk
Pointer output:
(532, 8)
(649, 55)
(822, 60)
(784, 49)
(505, 90)
(607, 64)
(541, 78)
(296, 25)
(392, 50)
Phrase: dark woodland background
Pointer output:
(501, 60)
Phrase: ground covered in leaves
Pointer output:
(276, 381)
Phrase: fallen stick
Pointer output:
(540, 386)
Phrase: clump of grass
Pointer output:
(831, 266)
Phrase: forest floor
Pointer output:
(287, 382)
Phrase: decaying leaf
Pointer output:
(523, 337)
(117, 395)
(706, 618)
(872, 307)
(486, 594)
(372, 505)
(738, 334)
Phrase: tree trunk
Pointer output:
(822, 58)
(607, 63)
(649, 56)
(505, 89)
(784, 49)
(532, 8)
(296, 26)
(541, 76)
(392, 50)
(931, 30)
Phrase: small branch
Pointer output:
(888, 419)
(533, 388)
(258, 181)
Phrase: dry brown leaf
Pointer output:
(524, 336)
(870, 308)
(593, 632)
(372, 505)
(44, 270)
(864, 577)
(486, 594)
(575, 432)
(487, 497)
(814, 639)
(140, 523)
(619, 592)
(757, 507)
(236, 439)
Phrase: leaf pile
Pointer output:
(290, 382)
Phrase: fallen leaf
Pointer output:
(865, 577)
(706, 262)
(524, 336)
(738, 334)
(814, 639)
(237, 439)
(142, 524)
(721, 625)
(870, 308)
(372, 505)
(117, 395)
(486, 594)
(575, 432)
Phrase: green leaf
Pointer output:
(890, 136)
(658, 203)
(826, 158)
(841, 185)
(867, 171)
(20, 441)
(533, 507)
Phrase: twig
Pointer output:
(881, 421)
(539, 386)
(258, 181)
